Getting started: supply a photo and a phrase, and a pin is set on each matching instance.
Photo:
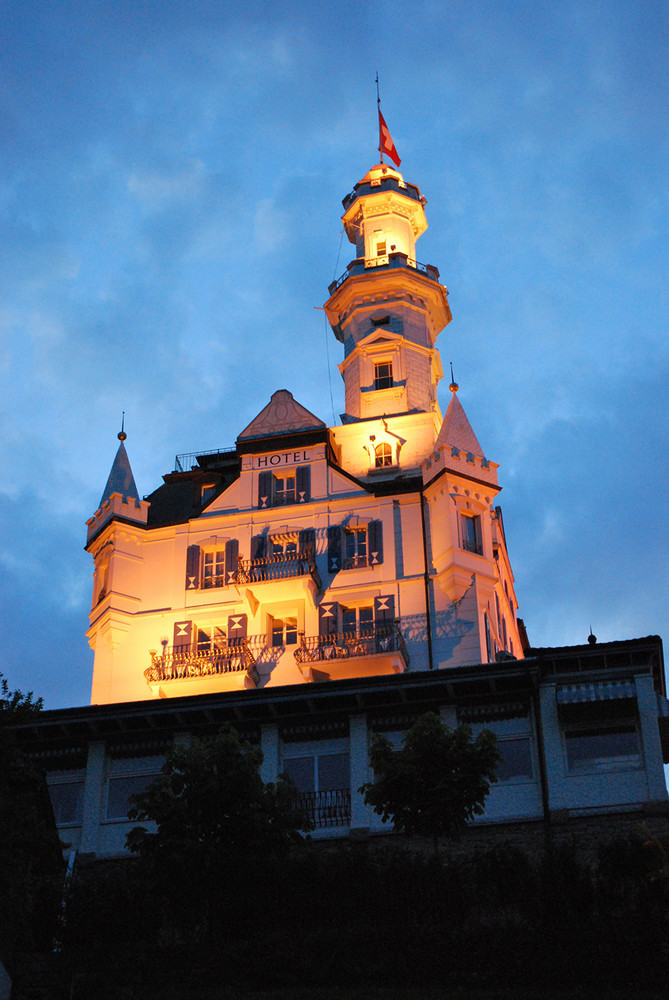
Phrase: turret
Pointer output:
(387, 309)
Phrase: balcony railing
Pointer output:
(383, 637)
(361, 265)
(179, 664)
(329, 808)
(472, 546)
(277, 567)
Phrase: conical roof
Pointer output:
(456, 431)
(282, 415)
(121, 479)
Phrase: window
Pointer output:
(208, 490)
(471, 533)
(324, 784)
(357, 621)
(355, 548)
(279, 489)
(120, 790)
(67, 801)
(381, 248)
(210, 640)
(284, 631)
(284, 550)
(516, 762)
(383, 375)
(213, 569)
(603, 747)
(383, 455)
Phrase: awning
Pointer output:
(578, 694)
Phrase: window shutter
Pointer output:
(231, 553)
(384, 609)
(182, 636)
(328, 618)
(334, 548)
(265, 480)
(375, 543)
(258, 543)
(307, 537)
(237, 629)
(193, 567)
(303, 483)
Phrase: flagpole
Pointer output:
(378, 104)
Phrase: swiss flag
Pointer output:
(386, 144)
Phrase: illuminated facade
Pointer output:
(315, 585)
(311, 553)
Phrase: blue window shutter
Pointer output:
(307, 537)
(193, 567)
(231, 553)
(265, 481)
(334, 548)
(384, 609)
(258, 543)
(182, 636)
(237, 629)
(328, 618)
(375, 543)
(303, 483)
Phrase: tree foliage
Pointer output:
(210, 802)
(436, 782)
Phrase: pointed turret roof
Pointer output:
(121, 479)
(282, 415)
(456, 431)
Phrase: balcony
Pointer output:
(376, 649)
(199, 671)
(392, 260)
(277, 568)
(327, 808)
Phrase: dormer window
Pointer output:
(383, 455)
(383, 375)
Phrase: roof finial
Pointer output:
(592, 639)
(454, 385)
(378, 107)
(122, 434)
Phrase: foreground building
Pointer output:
(316, 584)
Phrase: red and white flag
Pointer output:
(386, 144)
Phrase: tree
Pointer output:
(437, 781)
(31, 861)
(216, 822)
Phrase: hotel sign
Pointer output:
(281, 458)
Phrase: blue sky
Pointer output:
(170, 199)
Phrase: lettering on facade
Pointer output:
(282, 458)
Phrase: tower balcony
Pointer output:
(362, 265)
(228, 667)
(375, 650)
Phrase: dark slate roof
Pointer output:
(121, 479)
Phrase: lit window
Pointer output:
(214, 569)
(357, 621)
(383, 455)
(471, 533)
(284, 631)
(355, 552)
(383, 375)
(603, 748)
(210, 640)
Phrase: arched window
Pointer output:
(383, 455)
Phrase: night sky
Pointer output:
(170, 201)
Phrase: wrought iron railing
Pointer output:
(277, 567)
(328, 808)
(382, 637)
(396, 259)
(179, 664)
(471, 546)
(189, 460)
